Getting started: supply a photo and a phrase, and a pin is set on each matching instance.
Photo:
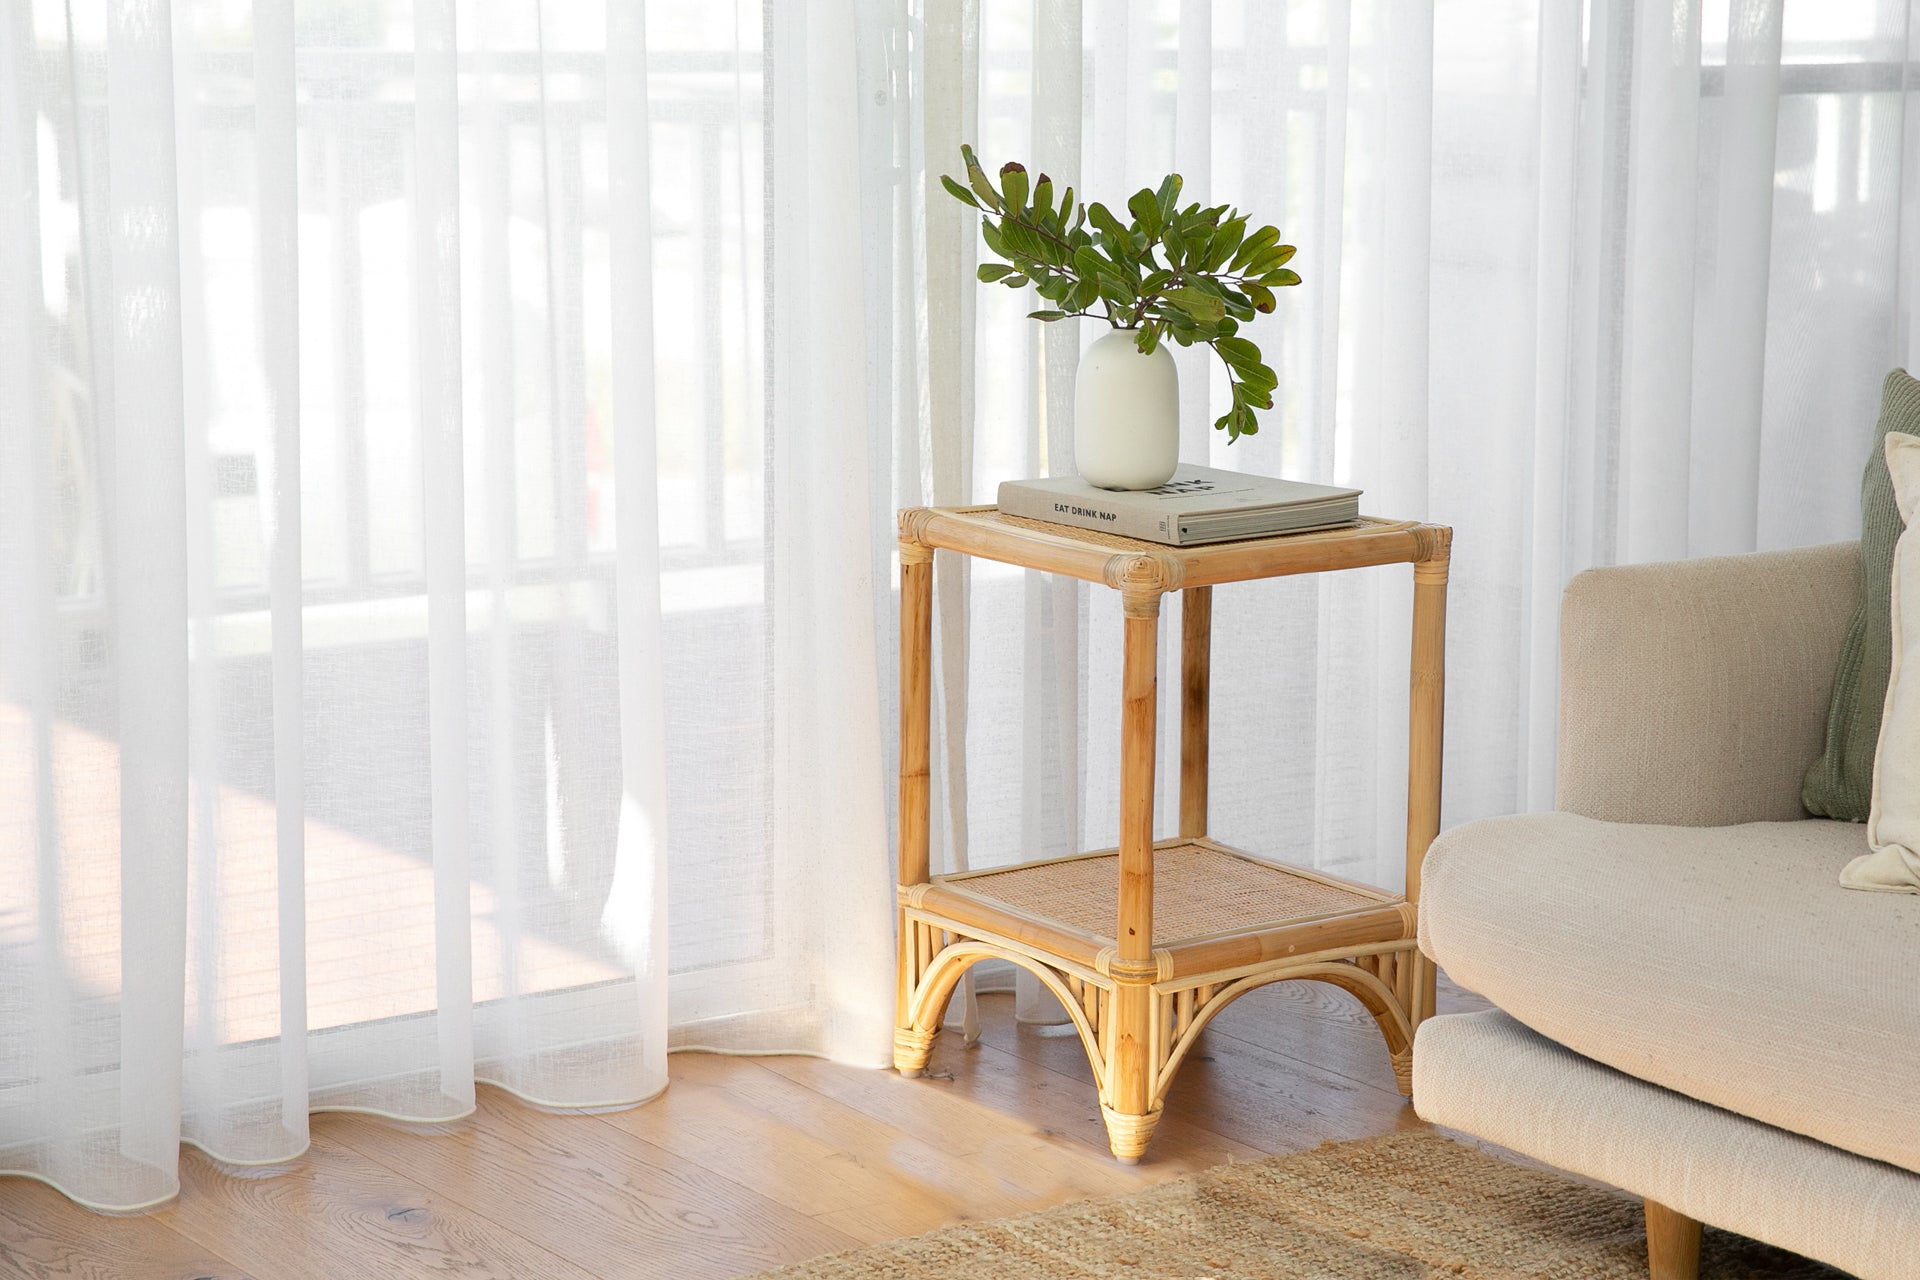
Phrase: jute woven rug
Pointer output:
(1406, 1205)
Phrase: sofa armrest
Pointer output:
(1695, 693)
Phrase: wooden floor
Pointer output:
(744, 1163)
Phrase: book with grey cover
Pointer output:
(1200, 504)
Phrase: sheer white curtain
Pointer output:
(438, 506)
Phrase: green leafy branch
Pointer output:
(1192, 274)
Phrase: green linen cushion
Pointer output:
(1840, 783)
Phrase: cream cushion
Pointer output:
(1694, 693)
(1893, 827)
(1725, 963)
(1487, 1075)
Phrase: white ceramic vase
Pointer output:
(1126, 414)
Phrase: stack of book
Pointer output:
(1200, 504)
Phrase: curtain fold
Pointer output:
(449, 452)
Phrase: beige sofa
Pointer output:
(1690, 1007)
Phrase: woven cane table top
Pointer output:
(1200, 889)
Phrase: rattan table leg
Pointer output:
(1426, 717)
(1127, 1103)
(1196, 639)
(910, 1047)
(1131, 1063)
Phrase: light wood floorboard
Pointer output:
(744, 1164)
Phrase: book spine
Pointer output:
(1089, 513)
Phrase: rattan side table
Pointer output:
(1144, 944)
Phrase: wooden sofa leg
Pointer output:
(1673, 1244)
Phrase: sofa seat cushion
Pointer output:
(1725, 963)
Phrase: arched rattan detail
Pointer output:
(1375, 995)
(943, 974)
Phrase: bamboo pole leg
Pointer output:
(1673, 1244)
(1139, 680)
(1426, 719)
(910, 1046)
(1131, 1064)
(1196, 641)
(1127, 1108)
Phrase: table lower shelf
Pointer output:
(1225, 922)
(1214, 907)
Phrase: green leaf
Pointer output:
(1091, 265)
(1046, 315)
(1267, 260)
(1200, 305)
(1176, 245)
(1253, 245)
(988, 272)
(1043, 194)
(990, 232)
(1167, 198)
(1255, 395)
(1281, 278)
(977, 179)
(1016, 282)
(1238, 422)
(1013, 184)
(1041, 244)
(1148, 340)
(1250, 368)
(1237, 352)
(1083, 295)
(1221, 246)
(1146, 212)
(1023, 240)
(1286, 254)
(958, 192)
(1261, 297)
(1103, 219)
